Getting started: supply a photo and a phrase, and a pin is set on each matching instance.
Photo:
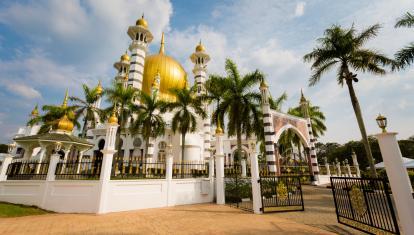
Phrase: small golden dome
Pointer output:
(113, 119)
(99, 88)
(35, 112)
(64, 124)
(263, 84)
(219, 130)
(200, 47)
(125, 57)
(142, 22)
(172, 74)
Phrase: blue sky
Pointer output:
(47, 46)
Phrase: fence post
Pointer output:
(3, 169)
(243, 168)
(168, 175)
(54, 160)
(399, 181)
(108, 154)
(79, 161)
(348, 168)
(328, 171)
(338, 169)
(220, 166)
(355, 163)
(256, 194)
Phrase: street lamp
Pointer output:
(382, 122)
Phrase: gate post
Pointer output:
(3, 168)
(399, 181)
(328, 171)
(256, 194)
(220, 165)
(243, 168)
(355, 163)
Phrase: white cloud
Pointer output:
(300, 9)
(23, 90)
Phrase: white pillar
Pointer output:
(328, 171)
(269, 130)
(79, 161)
(41, 156)
(168, 174)
(348, 168)
(3, 168)
(355, 163)
(220, 193)
(211, 167)
(243, 167)
(54, 160)
(108, 154)
(256, 194)
(338, 169)
(399, 181)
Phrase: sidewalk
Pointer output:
(191, 219)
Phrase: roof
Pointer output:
(54, 137)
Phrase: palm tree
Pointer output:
(149, 121)
(239, 102)
(186, 107)
(405, 56)
(52, 115)
(123, 98)
(214, 91)
(344, 48)
(86, 106)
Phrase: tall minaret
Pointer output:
(122, 66)
(200, 59)
(304, 104)
(141, 37)
(269, 130)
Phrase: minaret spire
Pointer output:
(65, 100)
(162, 44)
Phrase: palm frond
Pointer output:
(406, 20)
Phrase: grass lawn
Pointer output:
(14, 210)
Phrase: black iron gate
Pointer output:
(364, 204)
(238, 189)
(281, 193)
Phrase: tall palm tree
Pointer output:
(239, 101)
(405, 56)
(343, 48)
(186, 107)
(86, 106)
(123, 98)
(213, 95)
(149, 122)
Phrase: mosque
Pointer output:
(150, 73)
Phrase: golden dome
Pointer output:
(125, 57)
(142, 22)
(171, 72)
(219, 130)
(35, 112)
(99, 88)
(113, 119)
(64, 124)
(200, 47)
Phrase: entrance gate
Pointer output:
(238, 189)
(364, 204)
(281, 193)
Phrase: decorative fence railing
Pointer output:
(232, 169)
(22, 170)
(323, 170)
(135, 169)
(364, 204)
(89, 170)
(191, 169)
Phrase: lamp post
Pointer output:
(397, 175)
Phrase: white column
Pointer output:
(220, 169)
(355, 163)
(108, 154)
(211, 167)
(399, 181)
(168, 174)
(79, 161)
(54, 160)
(257, 199)
(41, 156)
(328, 171)
(269, 130)
(338, 169)
(3, 168)
(348, 168)
(243, 167)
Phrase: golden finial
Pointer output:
(64, 124)
(65, 100)
(219, 130)
(200, 47)
(142, 22)
(302, 97)
(99, 88)
(35, 112)
(162, 44)
(113, 119)
(263, 84)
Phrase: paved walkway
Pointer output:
(319, 211)
(194, 219)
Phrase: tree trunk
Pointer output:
(182, 152)
(146, 148)
(358, 114)
(239, 145)
(84, 127)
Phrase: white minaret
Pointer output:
(141, 37)
(200, 59)
(122, 67)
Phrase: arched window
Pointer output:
(141, 37)
(101, 144)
